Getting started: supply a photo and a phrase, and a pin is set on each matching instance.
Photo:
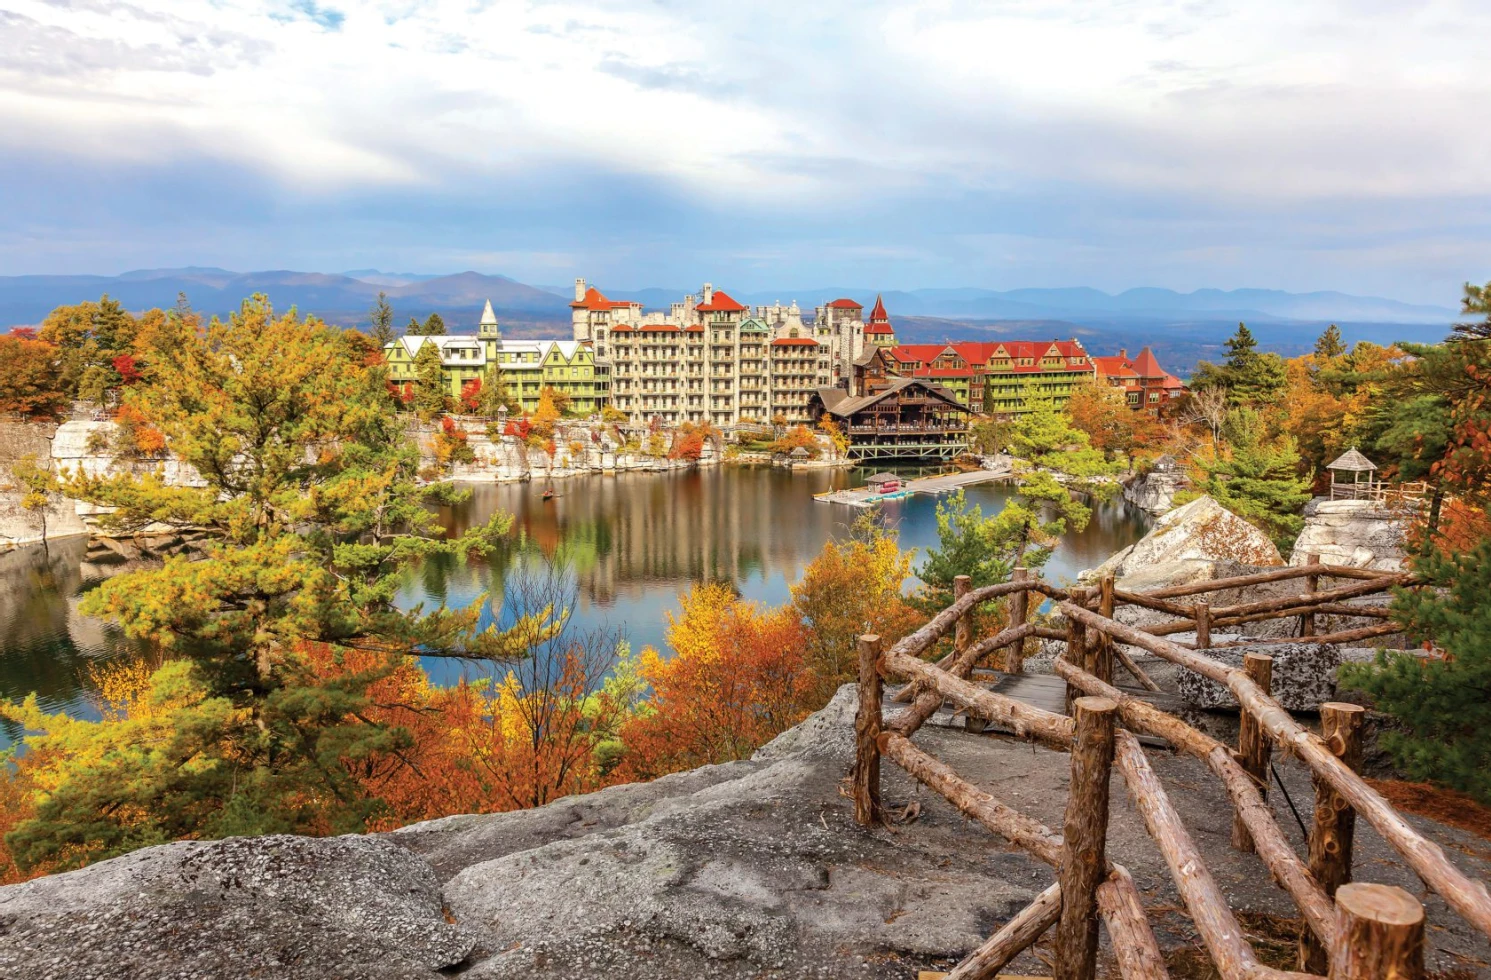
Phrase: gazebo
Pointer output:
(1358, 466)
(883, 483)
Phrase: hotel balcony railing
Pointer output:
(924, 427)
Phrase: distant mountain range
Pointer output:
(1184, 326)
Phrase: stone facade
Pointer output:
(712, 359)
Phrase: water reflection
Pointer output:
(628, 544)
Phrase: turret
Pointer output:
(488, 329)
(579, 290)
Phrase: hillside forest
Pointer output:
(280, 686)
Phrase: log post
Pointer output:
(1312, 582)
(1017, 934)
(961, 633)
(1203, 626)
(1085, 833)
(1334, 826)
(1253, 746)
(1076, 645)
(867, 722)
(1014, 656)
(1379, 934)
(1103, 657)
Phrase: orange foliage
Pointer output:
(736, 680)
(144, 437)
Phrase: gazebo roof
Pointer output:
(799, 451)
(1353, 461)
(882, 477)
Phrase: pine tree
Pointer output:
(1477, 301)
(312, 515)
(1257, 479)
(1330, 345)
(414, 329)
(381, 318)
(434, 325)
(1441, 702)
(431, 397)
(1241, 348)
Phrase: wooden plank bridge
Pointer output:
(933, 485)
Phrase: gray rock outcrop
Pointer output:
(1154, 492)
(1304, 675)
(1358, 533)
(1202, 532)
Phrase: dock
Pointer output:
(931, 485)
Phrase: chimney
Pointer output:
(1123, 352)
(708, 293)
(579, 290)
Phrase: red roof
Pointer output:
(1115, 366)
(943, 372)
(845, 304)
(795, 342)
(621, 328)
(720, 302)
(878, 314)
(879, 328)
(1171, 381)
(659, 327)
(694, 328)
(595, 301)
(1147, 366)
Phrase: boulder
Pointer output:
(1154, 492)
(348, 907)
(1304, 675)
(1356, 533)
(1199, 533)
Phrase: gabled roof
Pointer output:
(1353, 461)
(752, 325)
(595, 301)
(721, 302)
(846, 407)
(845, 304)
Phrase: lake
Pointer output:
(629, 543)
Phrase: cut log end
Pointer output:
(1383, 904)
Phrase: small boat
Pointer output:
(548, 493)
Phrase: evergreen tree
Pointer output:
(1330, 345)
(434, 325)
(312, 514)
(1258, 479)
(381, 319)
(1440, 702)
(414, 329)
(495, 395)
(1477, 301)
(431, 397)
(1241, 348)
(1248, 377)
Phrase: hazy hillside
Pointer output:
(1182, 327)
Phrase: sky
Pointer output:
(1288, 144)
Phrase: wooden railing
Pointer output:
(1350, 930)
(1379, 492)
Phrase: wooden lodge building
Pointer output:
(905, 417)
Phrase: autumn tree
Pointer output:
(1102, 413)
(799, 436)
(854, 586)
(546, 414)
(87, 337)
(380, 321)
(495, 395)
(736, 679)
(31, 383)
(38, 488)
(311, 514)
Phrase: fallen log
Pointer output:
(1464, 895)
(1273, 848)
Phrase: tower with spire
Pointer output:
(879, 331)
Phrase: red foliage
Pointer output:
(471, 395)
(125, 365)
(688, 445)
(518, 427)
(25, 333)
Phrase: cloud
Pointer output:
(839, 136)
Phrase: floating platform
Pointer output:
(933, 485)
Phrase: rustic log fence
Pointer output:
(1350, 930)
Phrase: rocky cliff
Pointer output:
(749, 870)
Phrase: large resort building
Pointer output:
(711, 359)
